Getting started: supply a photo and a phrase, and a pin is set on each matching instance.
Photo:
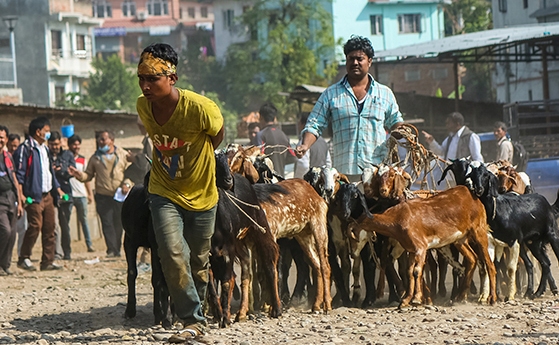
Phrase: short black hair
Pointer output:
(163, 51)
(5, 129)
(99, 133)
(359, 43)
(74, 138)
(55, 135)
(268, 111)
(456, 117)
(14, 136)
(500, 125)
(252, 125)
(37, 123)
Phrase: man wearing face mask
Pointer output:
(41, 191)
(107, 165)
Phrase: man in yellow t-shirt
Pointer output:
(185, 129)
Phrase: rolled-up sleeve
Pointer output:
(319, 116)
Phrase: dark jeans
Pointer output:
(81, 212)
(40, 217)
(64, 213)
(109, 212)
(8, 219)
(183, 240)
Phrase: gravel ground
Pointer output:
(84, 304)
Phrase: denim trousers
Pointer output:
(81, 211)
(184, 239)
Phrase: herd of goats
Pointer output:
(331, 229)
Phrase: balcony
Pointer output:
(66, 63)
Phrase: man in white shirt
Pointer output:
(505, 150)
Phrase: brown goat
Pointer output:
(510, 181)
(450, 217)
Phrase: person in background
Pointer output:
(41, 191)
(10, 204)
(505, 149)
(253, 129)
(107, 166)
(62, 159)
(14, 140)
(185, 128)
(360, 110)
(276, 143)
(317, 156)
(461, 142)
(140, 162)
(82, 193)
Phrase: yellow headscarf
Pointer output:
(151, 65)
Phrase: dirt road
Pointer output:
(84, 304)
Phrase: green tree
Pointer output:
(291, 43)
(112, 86)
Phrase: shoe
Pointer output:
(90, 249)
(189, 332)
(58, 256)
(67, 257)
(3, 272)
(8, 272)
(111, 255)
(26, 265)
(51, 267)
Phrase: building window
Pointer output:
(503, 6)
(102, 9)
(228, 18)
(80, 42)
(128, 8)
(525, 3)
(376, 25)
(204, 12)
(409, 23)
(59, 94)
(158, 7)
(440, 73)
(413, 75)
(191, 12)
(56, 43)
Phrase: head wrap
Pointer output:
(151, 65)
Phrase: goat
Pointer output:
(241, 228)
(527, 219)
(295, 210)
(450, 217)
(512, 181)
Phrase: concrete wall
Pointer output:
(124, 126)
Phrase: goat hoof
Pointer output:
(167, 324)
(130, 313)
(240, 318)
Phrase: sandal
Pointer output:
(188, 333)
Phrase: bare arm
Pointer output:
(89, 192)
(308, 140)
(218, 138)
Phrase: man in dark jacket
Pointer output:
(10, 204)
(61, 160)
(40, 190)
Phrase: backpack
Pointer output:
(519, 156)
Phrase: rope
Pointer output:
(232, 198)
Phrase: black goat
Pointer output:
(139, 232)
(527, 218)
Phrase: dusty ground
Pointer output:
(84, 304)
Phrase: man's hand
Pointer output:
(19, 209)
(74, 172)
(301, 150)
(89, 199)
(130, 157)
(428, 137)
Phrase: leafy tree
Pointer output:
(291, 43)
(112, 86)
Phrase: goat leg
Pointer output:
(132, 273)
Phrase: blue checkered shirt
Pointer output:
(359, 140)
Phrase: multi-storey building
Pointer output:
(130, 25)
(53, 45)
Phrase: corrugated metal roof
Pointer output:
(474, 40)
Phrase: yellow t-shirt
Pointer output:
(183, 167)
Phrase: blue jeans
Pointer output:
(81, 212)
(184, 240)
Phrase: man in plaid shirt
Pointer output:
(360, 110)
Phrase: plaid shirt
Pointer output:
(359, 140)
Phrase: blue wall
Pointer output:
(355, 19)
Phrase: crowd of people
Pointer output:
(39, 178)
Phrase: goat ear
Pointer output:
(343, 178)
(448, 167)
(250, 171)
(364, 205)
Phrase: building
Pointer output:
(522, 81)
(53, 45)
(130, 25)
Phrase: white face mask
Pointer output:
(47, 136)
